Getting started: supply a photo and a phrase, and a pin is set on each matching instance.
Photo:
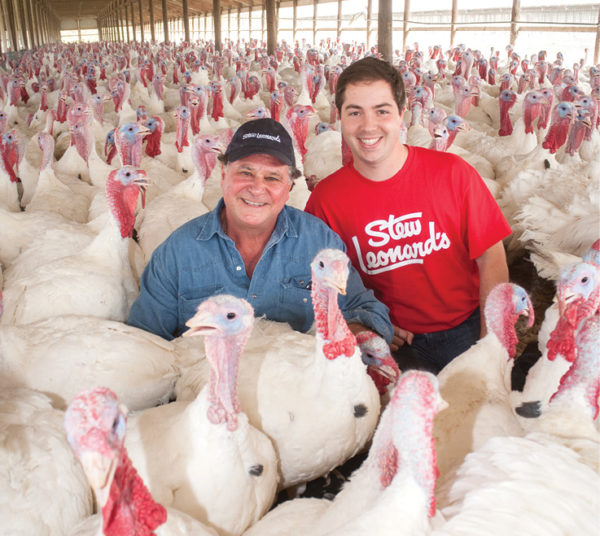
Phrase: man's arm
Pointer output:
(362, 310)
(492, 270)
(155, 310)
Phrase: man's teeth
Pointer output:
(369, 141)
(253, 204)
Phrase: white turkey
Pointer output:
(542, 483)
(578, 292)
(96, 281)
(48, 354)
(292, 384)
(95, 424)
(476, 384)
(392, 491)
(53, 195)
(183, 449)
(181, 203)
(43, 489)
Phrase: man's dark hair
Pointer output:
(370, 69)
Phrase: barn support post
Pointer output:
(453, 23)
(165, 21)
(5, 32)
(217, 24)
(405, 28)
(338, 32)
(131, 16)
(384, 28)
(271, 26)
(141, 21)
(315, 9)
(597, 45)
(11, 25)
(294, 20)
(514, 21)
(32, 41)
(151, 13)
(23, 25)
(186, 21)
(126, 22)
(369, 18)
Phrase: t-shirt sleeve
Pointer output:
(314, 205)
(485, 224)
(155, 310)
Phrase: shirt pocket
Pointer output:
(189, 301)
(295, 300)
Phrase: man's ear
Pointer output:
(292, 186)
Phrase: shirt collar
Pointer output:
(212, 225)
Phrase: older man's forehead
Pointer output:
(260, 160)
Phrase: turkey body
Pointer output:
(43, 489)
(48, 354)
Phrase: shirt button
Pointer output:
(304, 300)
(254, 295)
(238, 268)
(302, 282)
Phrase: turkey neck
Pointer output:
(583, 375)
(129, 508)
(331, 326)
(223, 354)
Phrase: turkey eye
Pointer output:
(128, 174)
(585, 279)
(321, 264)
(230, 316)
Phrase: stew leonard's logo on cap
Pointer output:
(260, 136)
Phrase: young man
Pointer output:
(252, 246)
(421, 227)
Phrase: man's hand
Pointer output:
(401, 337)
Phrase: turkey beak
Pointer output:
(99, 470)
(144, 130)
(142, 183)
(380, 367)
(200, 324)
(219, 148)
(463, 127)
(441, 403)
(565, 297)
(529, 313)
(337, 280)
(438, 132)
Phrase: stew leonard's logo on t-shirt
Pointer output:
(386, 254)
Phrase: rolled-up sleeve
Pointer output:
(360, 305)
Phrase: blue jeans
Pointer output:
(433, 351)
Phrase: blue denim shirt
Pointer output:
(199, 260)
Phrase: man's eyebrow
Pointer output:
(248, 167)
(358, 107)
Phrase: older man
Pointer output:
(252, 245)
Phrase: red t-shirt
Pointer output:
(414, 238)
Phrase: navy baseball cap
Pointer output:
(261, 136)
